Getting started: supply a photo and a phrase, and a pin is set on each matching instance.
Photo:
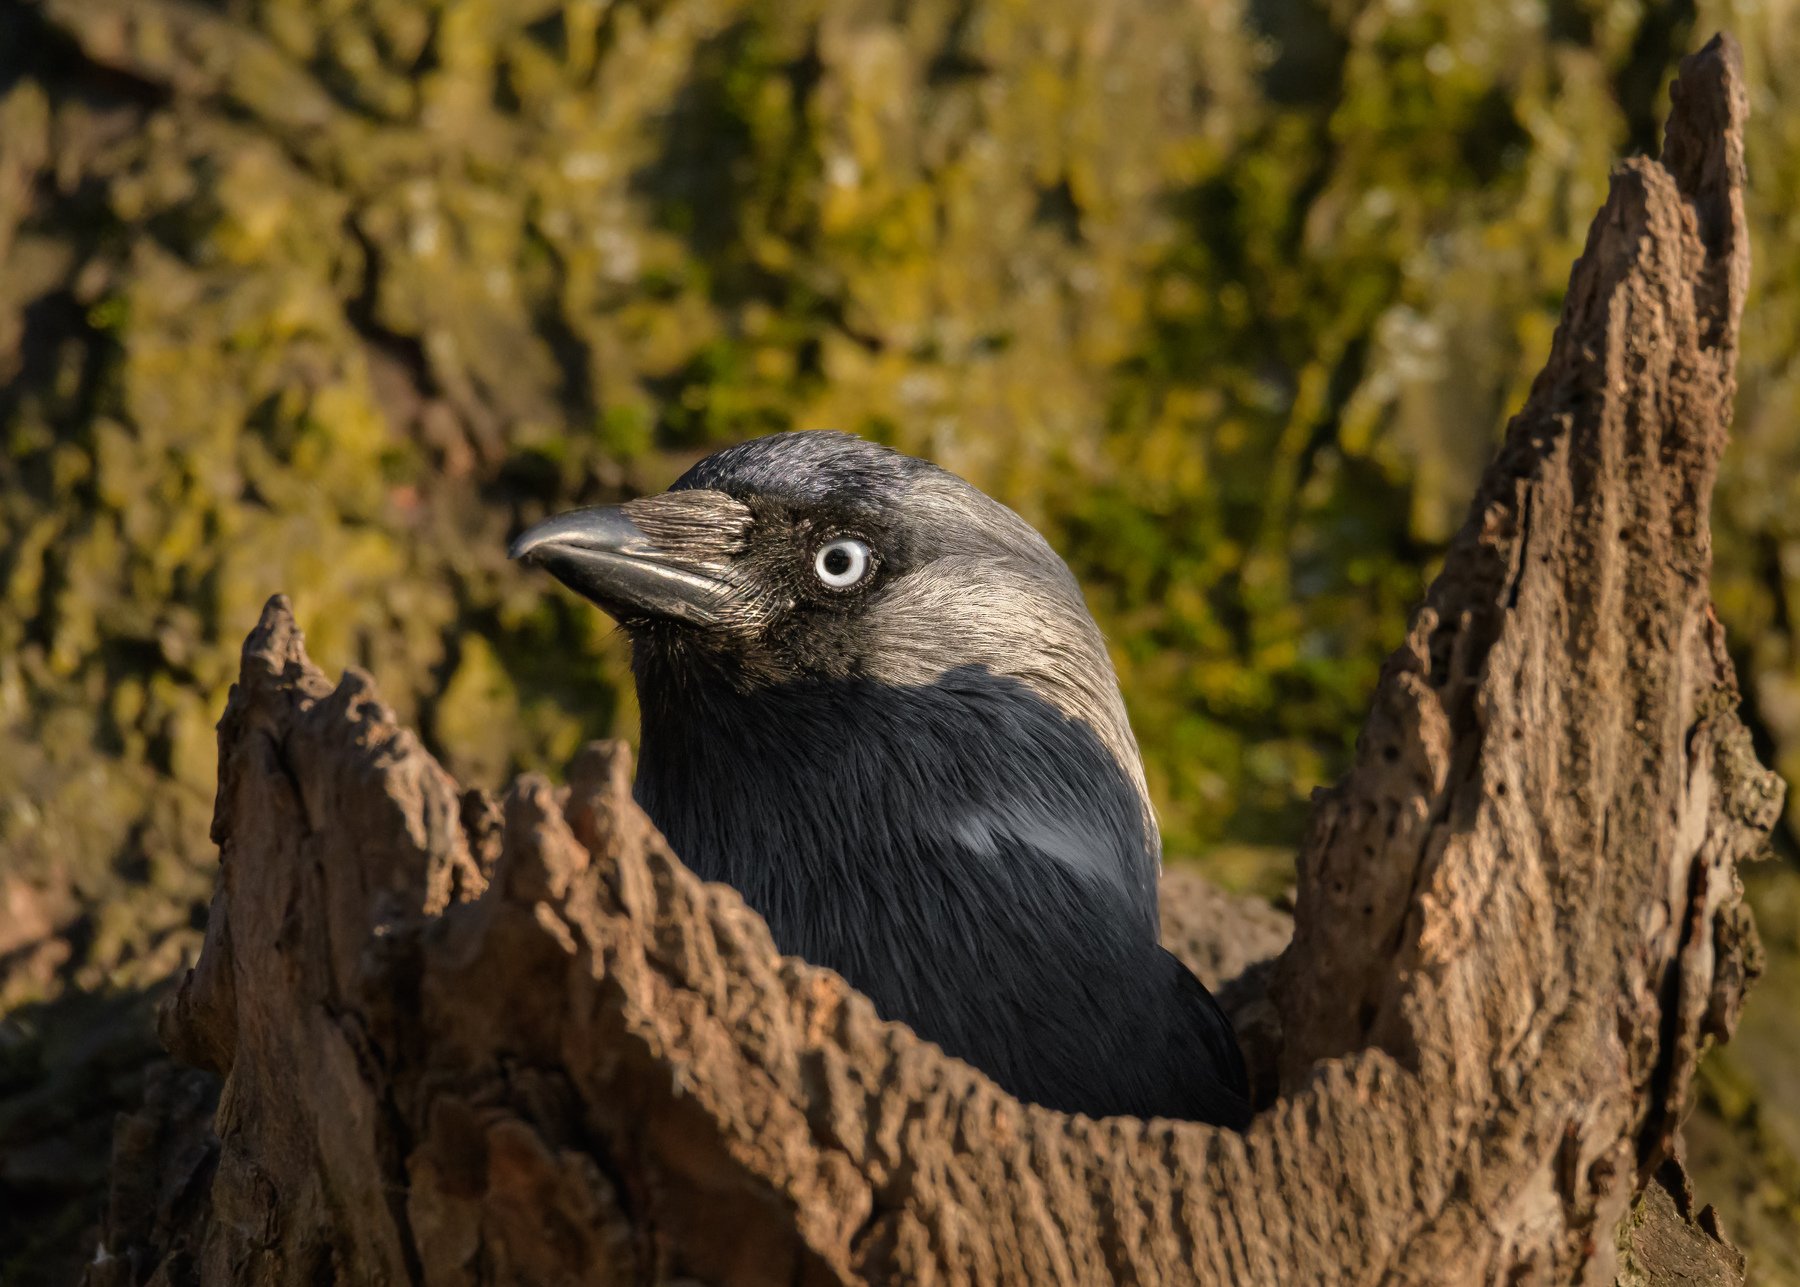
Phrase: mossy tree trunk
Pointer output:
(469, 1041)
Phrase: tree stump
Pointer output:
(455, 1040)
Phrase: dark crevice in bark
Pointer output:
(564, 1058)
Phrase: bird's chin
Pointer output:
(629, 617)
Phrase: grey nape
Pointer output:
(874, 701)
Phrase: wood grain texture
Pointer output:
(461, 1040)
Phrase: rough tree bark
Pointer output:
(462, 1041)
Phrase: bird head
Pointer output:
(812, 559)
(875, 703)
(820, 556)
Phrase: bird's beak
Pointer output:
(604, 555)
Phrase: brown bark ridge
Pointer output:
(462, 1041)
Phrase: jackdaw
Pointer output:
(873, 701)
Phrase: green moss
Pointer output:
(1744, 1143)
(330, 299)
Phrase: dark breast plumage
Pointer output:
(922, 780)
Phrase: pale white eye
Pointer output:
(840, 564)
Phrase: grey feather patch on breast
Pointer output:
(924, 778)
(993, 828)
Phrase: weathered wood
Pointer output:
(468, 1042)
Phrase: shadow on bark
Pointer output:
(459, 1040)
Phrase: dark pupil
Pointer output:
(837, 561)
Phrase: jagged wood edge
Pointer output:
(601, 1062)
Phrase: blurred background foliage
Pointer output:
(1231, 297)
